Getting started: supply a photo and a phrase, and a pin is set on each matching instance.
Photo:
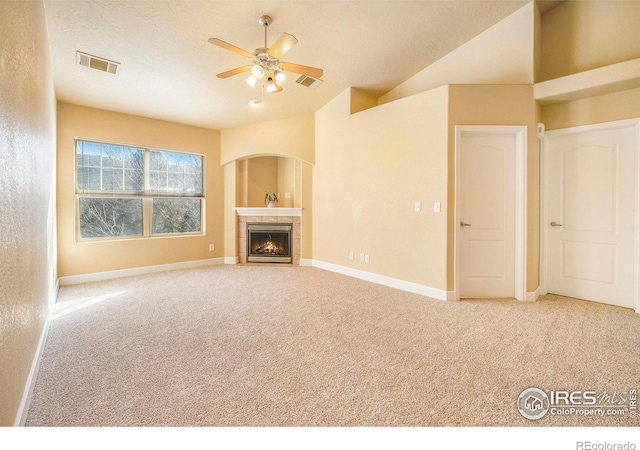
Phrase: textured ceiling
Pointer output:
(168, 68)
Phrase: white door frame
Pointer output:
(544, 190)
(520, 190)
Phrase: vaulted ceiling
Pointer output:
(168, 69)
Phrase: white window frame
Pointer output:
(147, 196)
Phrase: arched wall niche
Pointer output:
(261, 173)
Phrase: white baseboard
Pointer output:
(53, 296)
(109, 275)
(231, 260)
(533, 296)
(408, 286)
(25, 402)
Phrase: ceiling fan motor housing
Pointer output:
(266, 62)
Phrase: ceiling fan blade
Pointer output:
(230, 73)
(312, 72)
(233, 48)
(282, 45)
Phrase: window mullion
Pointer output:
(147, 211)
(147, 202)
(101, 170)
(147, 170)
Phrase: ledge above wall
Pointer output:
(590, 83)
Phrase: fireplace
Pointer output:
(269, 242)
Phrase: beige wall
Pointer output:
(75, 258)
(537, 44)
(371, 168)
(592, 110)
(232, 183)
(263, 177)
(304, 200)
(286, 181)
(361, 100)
(27, 183)
(293, 137)
(584, 35)
(500, 105)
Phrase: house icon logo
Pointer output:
(533, 403)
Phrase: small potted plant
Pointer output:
(270, 199)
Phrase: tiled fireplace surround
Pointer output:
(272, 215)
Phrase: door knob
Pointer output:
(555, 224)
(462, 224)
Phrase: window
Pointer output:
(125, 191)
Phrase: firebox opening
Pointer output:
(269, 243)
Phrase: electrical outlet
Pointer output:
(366, 258)
(212, 247)
(417, 207)
(436, 207)
(361, 257)
(287, 195)
(351, 256)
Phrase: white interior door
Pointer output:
(486, 214)
(590, 203)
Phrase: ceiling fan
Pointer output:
(265, 61)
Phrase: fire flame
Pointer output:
(269, 248)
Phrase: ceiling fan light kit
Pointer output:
(280, 76)
(251, 81)
(265, 62)
(257, 72)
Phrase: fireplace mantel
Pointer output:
(271, 212)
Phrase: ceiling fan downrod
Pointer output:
(265, 21)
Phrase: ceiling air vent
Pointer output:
(95, 62)
(309, 81)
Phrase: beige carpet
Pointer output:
(298, 346)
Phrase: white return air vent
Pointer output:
(95, 62)
(309, 81)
